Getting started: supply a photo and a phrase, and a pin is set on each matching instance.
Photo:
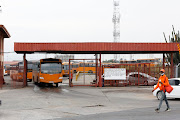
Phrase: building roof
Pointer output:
(4, 31)
(96, 48)
(10, 62)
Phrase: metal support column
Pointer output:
(149, 69)
(84, 71)
(172, 66)
(100, 74)
(1, 65)
(163, 61)
(96, 67)
(70, 84)
(138, 76)
(25, 71)
(2, 62)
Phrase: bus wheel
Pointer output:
(57, 85)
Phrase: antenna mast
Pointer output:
(116, 21)
(0, 9)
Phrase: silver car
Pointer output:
(141, 79)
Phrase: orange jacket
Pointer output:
(165, 82)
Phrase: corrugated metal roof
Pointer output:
(96, 47)
(4, 31)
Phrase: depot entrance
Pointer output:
(98, 49)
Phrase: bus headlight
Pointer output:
(60, 77)
(41, 77)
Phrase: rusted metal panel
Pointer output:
(96, 47)
(25, 71)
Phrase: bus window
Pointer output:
(29, 67)
(51, 68)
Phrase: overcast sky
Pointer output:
(86, 21)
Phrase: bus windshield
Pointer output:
(66, 67)
(51, 68)
(29, 66)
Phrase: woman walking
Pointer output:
(162, 82)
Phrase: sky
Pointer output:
(86, 21)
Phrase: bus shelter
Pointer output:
(96, 48)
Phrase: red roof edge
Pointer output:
(5, 32)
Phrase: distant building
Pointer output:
(154, 61)
(64, 58)
(3, 34)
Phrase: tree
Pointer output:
(175, 38)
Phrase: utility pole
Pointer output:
(116, 21)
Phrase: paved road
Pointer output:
(81, 103)
(135, 114)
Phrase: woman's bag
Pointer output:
(169, 88)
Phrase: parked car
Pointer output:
(141, 78)
(175, 83)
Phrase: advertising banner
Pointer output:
(115, 74)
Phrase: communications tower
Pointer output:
(0, 9)
(116, 22)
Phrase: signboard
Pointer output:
(115, 74)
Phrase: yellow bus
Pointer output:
(29, 70)
(47, 71)
(65, 69)
(7, 69)
(87, 67)
(153, 62)
(7, 66)
(18, 73)
(128, 61)
(13, 71)
(75, 67)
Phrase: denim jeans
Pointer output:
(163, 98)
